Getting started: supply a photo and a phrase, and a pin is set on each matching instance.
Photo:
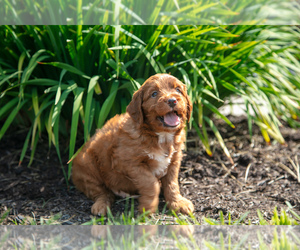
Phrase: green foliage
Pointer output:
(157, 12)
(282, 219)
(68, 80)
(240, 221)
(281, 242)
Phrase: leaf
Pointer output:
(58, 91)
(203, 139)
(193, 64)
(36, 58)
(8, 106)
(5, 79)
(74, 124)
(124, 73)
(212, 79)
(149, 57)
(129, 11)
(117, 40)
(41, 82)
(90, 92)
(11, 117)
(216, 111)
(108, 104)
(25, 146)
(242, 78)
(219, 137)
(37, 120)
(61, 102)
(56, 144)
(67, 67)
(33, 148)
(155, 13)
(132, 36)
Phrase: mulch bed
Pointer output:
(262, 177)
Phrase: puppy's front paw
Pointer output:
(148, 209)
(99, 208)
(148, 204)
(182, 205)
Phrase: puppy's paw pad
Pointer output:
(99, 208)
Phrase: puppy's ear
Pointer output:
(135, 107)
(188, 103)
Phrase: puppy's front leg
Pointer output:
(148, 187)
(171, 188)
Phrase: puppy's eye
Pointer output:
(178, 90)
(154, 94)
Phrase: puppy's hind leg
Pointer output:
(86, 180)
(103, 200)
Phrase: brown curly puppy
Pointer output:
(140, 151)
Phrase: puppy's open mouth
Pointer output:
(170, 119)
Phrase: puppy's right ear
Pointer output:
(135, 107)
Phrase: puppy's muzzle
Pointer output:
(172, 102)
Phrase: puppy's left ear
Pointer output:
(135, 107)
(188, 103)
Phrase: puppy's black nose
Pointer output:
(172, 102)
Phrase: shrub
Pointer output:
(61, 80)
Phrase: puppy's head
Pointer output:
(161, 103)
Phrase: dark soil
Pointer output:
(262, 177)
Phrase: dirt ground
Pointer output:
(262, 177)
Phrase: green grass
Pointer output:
(165, 217)
(154, 238)
(183, 236)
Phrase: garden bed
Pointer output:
(262, 177)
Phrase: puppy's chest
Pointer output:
(160, 160)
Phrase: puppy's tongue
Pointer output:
(171, 119)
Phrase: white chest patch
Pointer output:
(165, 137)
(163, 161)
(162, 158)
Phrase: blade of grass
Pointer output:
(108, 104)
(155, 13)
(37, 120)
(219, 137)
(33, 148)
(74, 125)
(13, 75)
(25, 146)
(129, 11)
(87, 120)
(56, 144)
(11, 117)
(8, 106)
(217, 112)
(36, 58)
(58, 91)
(61, 102)
(203, 139)
(67, 67)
